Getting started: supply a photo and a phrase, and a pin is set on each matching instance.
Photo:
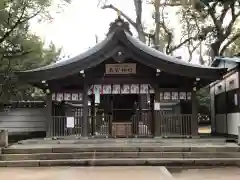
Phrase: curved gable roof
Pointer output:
(102, 51)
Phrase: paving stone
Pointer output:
(130, 149)
(117, 162)
(124, 162)
(98, 155)
(109, 149)
(26, 163)
(26, 150)
(165, 149)
(217, 162)
(18, 157)
(160, 155)
(2, 164)
(211, 155)
(126, 154)
(67, 162)
(215, 149)
(170, 162)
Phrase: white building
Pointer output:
(225, 100)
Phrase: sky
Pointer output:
(76, 27)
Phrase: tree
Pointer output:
(36, 56)
(161, 37)
(216, 23)
(19, 49)
(204, 23)
(233, 49)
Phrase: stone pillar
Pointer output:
(3, 138)
(238, 134)
(194, 120)
(157, 113)
(85, 111)
(49, 120)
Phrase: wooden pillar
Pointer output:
(157, 113)
(194, 120)
(141, 107)
(93, 117)
(85, 111)
(152, 101)
(49, 120)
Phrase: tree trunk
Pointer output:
(157, 25)
(139, 26)
(215, 48)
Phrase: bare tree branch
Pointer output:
(191, 51)
(171, 4)
(138, 24)
(110, 6)
(166, 30)
(182, 43)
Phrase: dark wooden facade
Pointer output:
(87, 82)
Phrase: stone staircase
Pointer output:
(120, 153)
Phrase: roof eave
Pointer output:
(208, 72)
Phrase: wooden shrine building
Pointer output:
(121, 88)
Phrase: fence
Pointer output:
(174, 125)
(141, 125)
(98, 126)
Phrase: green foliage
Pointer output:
(214, 23)
(19, 48)
(234, 48)
(203, 97)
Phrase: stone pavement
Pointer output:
(118, 173)
(86, 173)
(223, 173)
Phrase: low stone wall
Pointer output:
(3, 138)
(23, 120)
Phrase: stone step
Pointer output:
(125, 162)
(72, 149)
(117, 155)
(77, 140)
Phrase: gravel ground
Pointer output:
(224, 173)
